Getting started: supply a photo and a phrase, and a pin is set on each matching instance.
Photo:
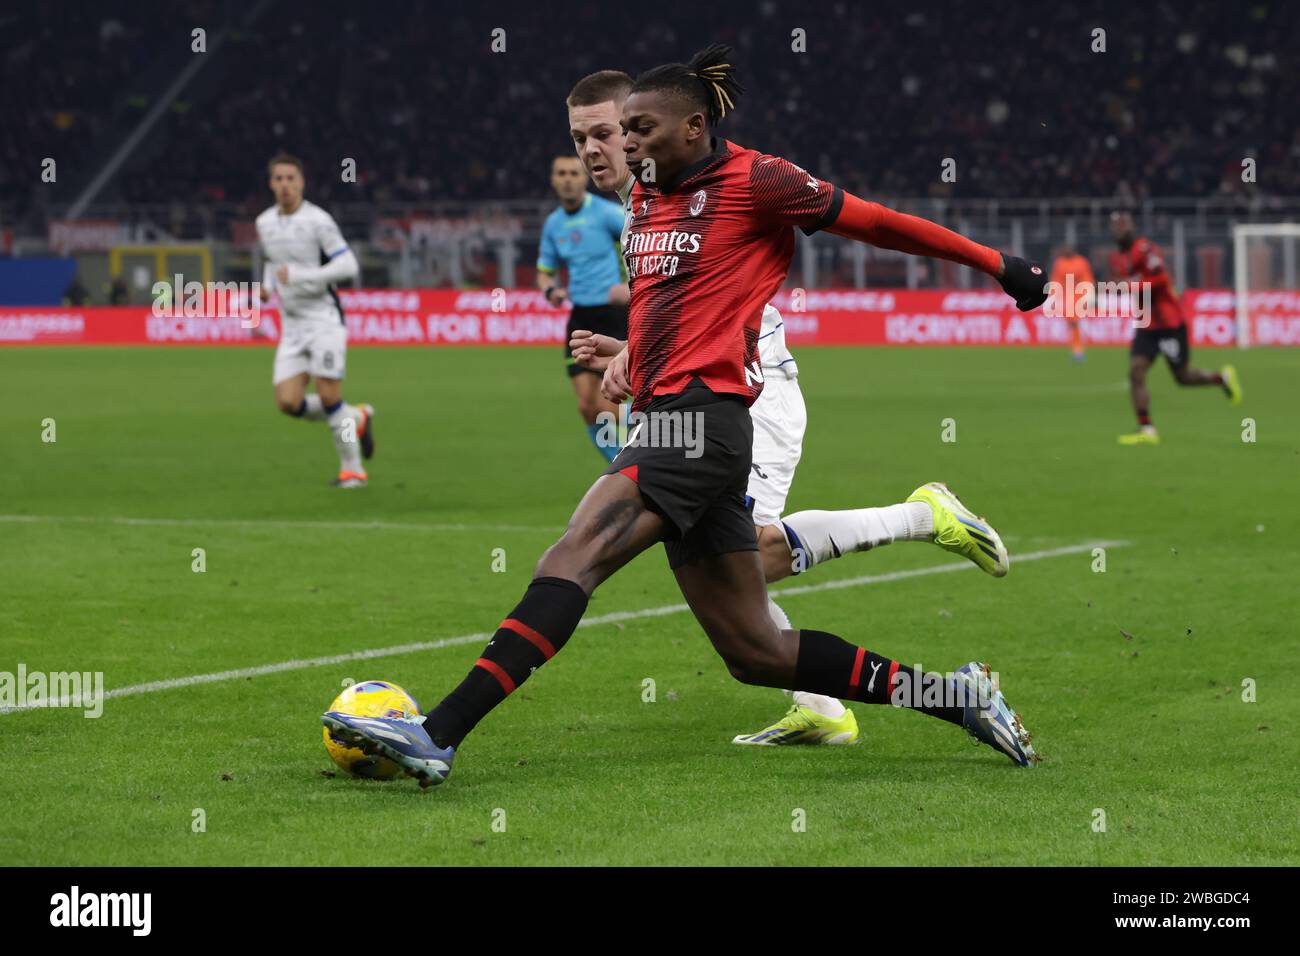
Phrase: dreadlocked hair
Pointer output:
(708, 81)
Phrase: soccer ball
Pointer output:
(370, 698)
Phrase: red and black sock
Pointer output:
(1143, 418)
(832, 666)
(536, 629)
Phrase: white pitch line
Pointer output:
(272, 523)
(613, 618)
(941, 568)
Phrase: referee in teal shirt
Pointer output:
(583, 234)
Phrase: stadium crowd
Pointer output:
(412, 92)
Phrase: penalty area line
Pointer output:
(153, 687)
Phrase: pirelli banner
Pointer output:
(441, 317)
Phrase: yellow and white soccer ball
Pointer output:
(370, 698)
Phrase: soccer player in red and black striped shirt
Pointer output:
(710, 241)
(1164, 331)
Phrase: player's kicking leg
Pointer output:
(721, 575)
(726, 593)
(610, 526)
(932, 513)
(699, 507)
(780, 418)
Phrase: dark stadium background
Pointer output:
(1043, 130)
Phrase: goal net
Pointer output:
(1265, 267)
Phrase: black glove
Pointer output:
(1024, 282)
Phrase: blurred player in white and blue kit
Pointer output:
(305, 256)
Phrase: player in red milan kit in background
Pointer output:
(707, 245)
(1166, 332)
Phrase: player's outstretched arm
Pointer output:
(881, 226)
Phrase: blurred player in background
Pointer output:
(790, 545)
(1070, 272)
(1165, 330)
(583, 234)
(305, 255)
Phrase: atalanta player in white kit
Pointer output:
(306, 255)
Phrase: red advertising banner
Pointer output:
(441, 317)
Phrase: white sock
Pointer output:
(778, 616)
(313, 410)
(345, 422)
(824, 535)
(826, 706)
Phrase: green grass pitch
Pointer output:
(161, 451)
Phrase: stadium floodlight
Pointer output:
(1257, 268)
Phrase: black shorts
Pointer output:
(695, 479)
(608, 320)
(1172, 343)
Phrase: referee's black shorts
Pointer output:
(690, 456)
(608, 320)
